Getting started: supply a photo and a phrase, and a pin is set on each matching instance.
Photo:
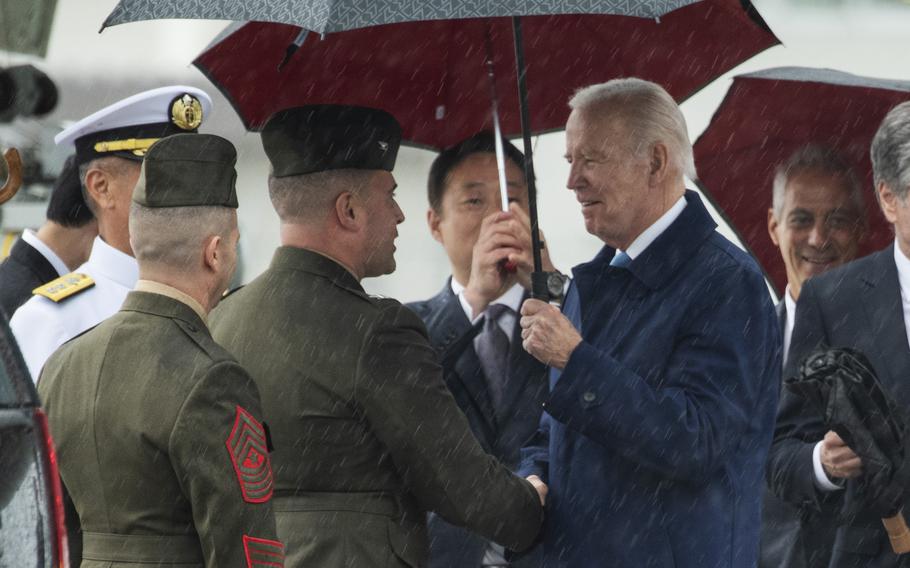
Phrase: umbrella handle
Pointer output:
(13, 177)
(898, 533)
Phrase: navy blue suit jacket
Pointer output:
(654, 436)
(24, 270)
(857, 305)
(502, 435)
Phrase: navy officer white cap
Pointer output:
(128, 127)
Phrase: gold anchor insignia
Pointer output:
(186, 112)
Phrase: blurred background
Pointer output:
(91, 70)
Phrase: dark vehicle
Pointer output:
(32, 529)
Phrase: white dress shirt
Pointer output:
(30, 237)
(42, 325)
(822, 481)
(650, 234)
(790, 322)
(512, 298)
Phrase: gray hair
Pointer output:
(814, 158)
(308, 198)
(890, 152)
(649, 111)
(111, 164)
(174, 236)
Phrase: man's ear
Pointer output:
(772, 227)
(348, 211)
(211, 253)
(433, 221)
(98, 187)
(888, 200)
(659, 164)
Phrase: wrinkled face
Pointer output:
(122, 177)
(610, 177)
(382, 218)
(819, 226)
(897, 212)
(471, 194)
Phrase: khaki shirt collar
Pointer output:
(173, 293)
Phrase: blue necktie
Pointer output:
(621, 260)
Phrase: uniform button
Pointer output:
(589, 397)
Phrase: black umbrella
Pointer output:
(842, 386)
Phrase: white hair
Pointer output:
(890, 151)
(650, 113)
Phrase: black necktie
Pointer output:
(492, 348)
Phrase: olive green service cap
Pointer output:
(317, 138)
(185, 170)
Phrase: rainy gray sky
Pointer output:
(92, 70)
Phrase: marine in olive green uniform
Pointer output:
(367, 437)
(158, 429)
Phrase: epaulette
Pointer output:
(64, 287)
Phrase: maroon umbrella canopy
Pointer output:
(767, 116)
(432, 75)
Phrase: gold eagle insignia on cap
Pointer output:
(186, 112)
(65, 286)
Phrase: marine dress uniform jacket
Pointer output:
(857, 305)
(367, 437)
(42, 325)
(501, 434)
(160, 443)
(656, 431)
(24, 270)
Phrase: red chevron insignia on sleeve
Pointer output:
(261, 552)
(247, 448)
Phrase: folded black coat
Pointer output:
(842, 385)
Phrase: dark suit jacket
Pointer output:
(24, 270)
(503, 436)
(857, 305)
(656, 432)
(793, 536)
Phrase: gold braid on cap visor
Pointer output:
(138, 146)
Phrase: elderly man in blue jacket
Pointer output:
(665, 362)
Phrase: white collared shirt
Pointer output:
(903, 278)
(512, 298)
(650, 234)
(790, 322)
(822, 481)
(42, 325)
(31, 237)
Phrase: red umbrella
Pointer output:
(767, 116)
(432, 75)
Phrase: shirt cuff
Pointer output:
(821, 478)
(468, 310)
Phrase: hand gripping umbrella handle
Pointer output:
(898, 533)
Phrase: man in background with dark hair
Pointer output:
(61, 244)
(473, 320)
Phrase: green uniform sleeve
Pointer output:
(218, 450)
(401, 392)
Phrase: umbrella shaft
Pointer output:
(539, 291)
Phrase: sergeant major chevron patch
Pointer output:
(250, 456)
(262, 553)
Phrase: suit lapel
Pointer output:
(524, 372)
(881, 300)
(466, 380)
